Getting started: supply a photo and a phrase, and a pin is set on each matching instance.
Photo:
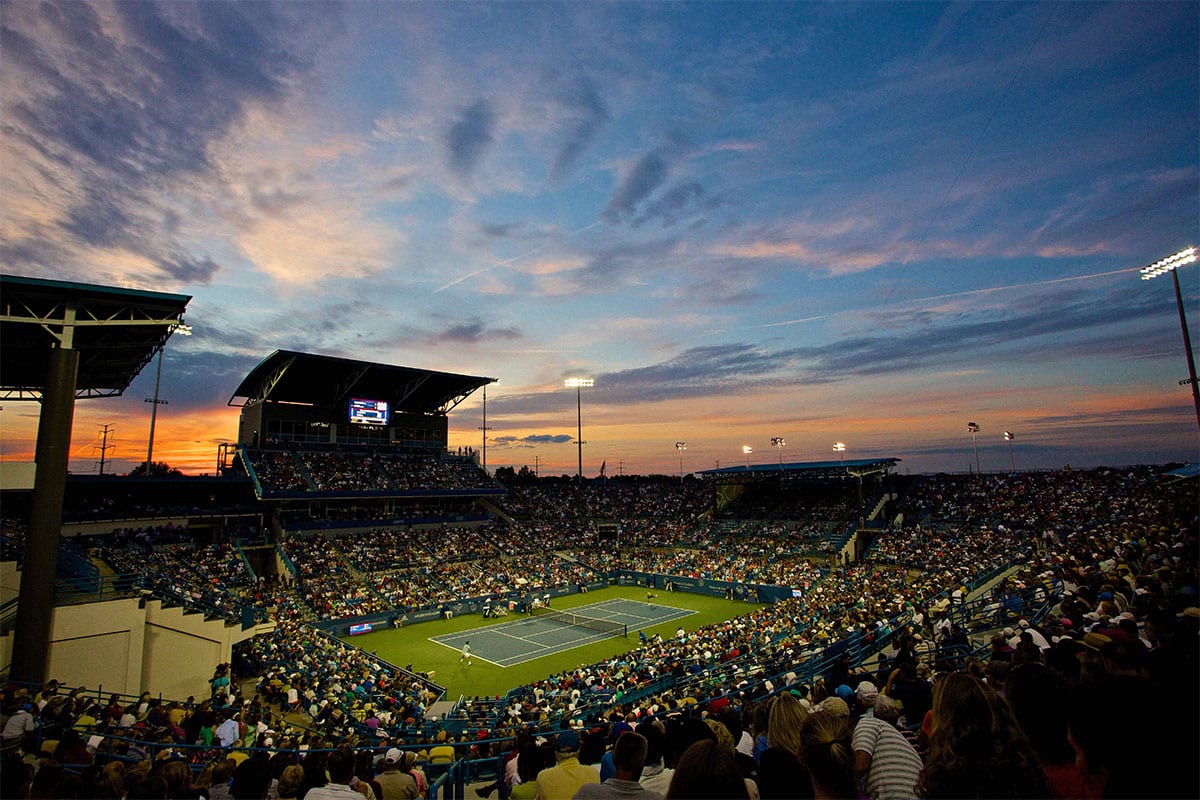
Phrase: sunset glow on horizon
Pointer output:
(817, 222)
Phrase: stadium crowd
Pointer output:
(720, 710)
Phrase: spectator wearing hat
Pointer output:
(396, 785)
(629, 757)
(886, 765)
(568, 776)
(864, 701)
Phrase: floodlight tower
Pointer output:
(1008, 437)
(578, 384)
(746, 451)
(973, 429)
(1171, 264)
(485, 428)
(680, 447)
(840, 449)
(183, 329)
(778, 442)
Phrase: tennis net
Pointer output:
(581, 621)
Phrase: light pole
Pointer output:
(840, 449)
(1170, 264)
(777, 441)
(578, 384)
(1012, 460)
(746, 451)
(680, 447)
(973, 429)
(484, 427)
(182, 330)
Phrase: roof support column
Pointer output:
(31, 640)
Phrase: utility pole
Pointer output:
(104, 445)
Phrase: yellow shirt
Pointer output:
(563, 781)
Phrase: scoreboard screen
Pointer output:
(368, 412)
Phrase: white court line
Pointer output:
(546, 649)
(459, 650)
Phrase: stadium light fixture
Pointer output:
(1008, 437)
(840, 449)
(578, 384)
(1171, 264)
(973, 429)
(680, 447)
(778, 442)
(746, 451)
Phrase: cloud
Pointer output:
(945, 342)
(469, 136)
(191, 271)
(108, 108)
(472, 331)
(537, 438)
(673, 205)
(645, 176)
(586, 113)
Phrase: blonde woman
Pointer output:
(780, 771)
(826, 752)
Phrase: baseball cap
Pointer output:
(393, 756)
(567, 740)
(866, 693)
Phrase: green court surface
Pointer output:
(530, 637)
(412, 644)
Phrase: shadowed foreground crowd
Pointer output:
(1096, 700)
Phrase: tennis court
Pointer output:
(510, 643)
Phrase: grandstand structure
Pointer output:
(326, 439)
(63, 340)
(341, 509)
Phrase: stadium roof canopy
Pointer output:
(116, 332)
(854, 467)
(286, 376)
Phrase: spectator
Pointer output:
(629, 757)
(396, 785)
(706, 771)
(290, 781)
(568, 776)
(886, 765)
(341, 773)
(826, 752)
(780, 771)
(976, 748)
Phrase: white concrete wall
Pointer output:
(182, 650)
(98, 645)
(10, 581)
(123, 646)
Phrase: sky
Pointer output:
(867, 223)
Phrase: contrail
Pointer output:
(508, 261)
(966, 293)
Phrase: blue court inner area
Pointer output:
(529, 637)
